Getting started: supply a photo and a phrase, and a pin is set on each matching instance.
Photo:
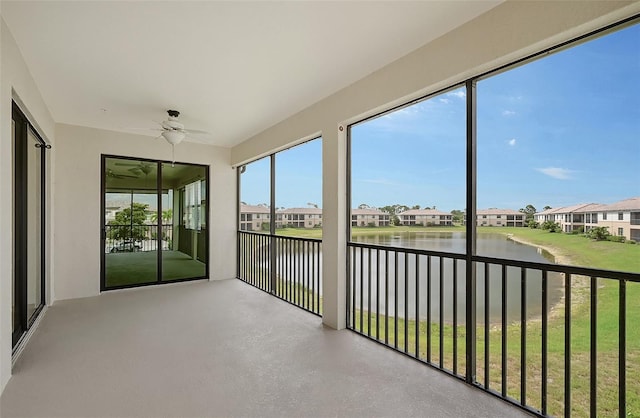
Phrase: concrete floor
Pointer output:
(219, 349)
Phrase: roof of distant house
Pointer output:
(580, 207)
(423, 212)
(494, 211)
(369, 211)
(254, 209)
(627, 204)
(304, 211)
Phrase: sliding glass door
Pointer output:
(185, 231)
(154, 223)
(28, 228)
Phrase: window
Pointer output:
(620, 216)
(604, 216)
(621, 232)
(192, 209)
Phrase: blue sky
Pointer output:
(560, 130)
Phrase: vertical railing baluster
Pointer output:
(369, 292)
(386, 297)
(503, 387)
(417, 333)
(441, 354)
(594, 343)
(314, 252)
(361, 290)
(523, 336)
(299, 258)
(377, 294)
(406, 302)
(545, 320)
(567, 345)
(307, 276)
(429, 308)
(486, 325)
(353, 281)
(395, 305)
(317, 276)
(289, 270)
(622, 349)
(254, 265)
(455, 315)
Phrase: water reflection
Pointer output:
(386, 280)
(435, 273)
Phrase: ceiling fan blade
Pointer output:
(196, 132)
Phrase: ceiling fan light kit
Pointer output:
(173, 137)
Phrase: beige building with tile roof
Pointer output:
(369, 217)
(425, 217)
(499, 217)
(621, 218)
(253, 217)
(299, 218)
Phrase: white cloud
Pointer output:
(512, 142)
(459, 94)
(557, 173)
(445, 101)
(508, 113)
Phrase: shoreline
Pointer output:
(579, 283)
(558, 256)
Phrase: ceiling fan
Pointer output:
(112, 174)
(138, 168)
(174, 131)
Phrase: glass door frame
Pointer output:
(22, 128)
(159, 188)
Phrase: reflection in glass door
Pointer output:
(130, 199)
(28, 229)
(145, 237)
(184, 206)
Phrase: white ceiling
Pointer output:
(231, 68)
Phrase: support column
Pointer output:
(334, 226)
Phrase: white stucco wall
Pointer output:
(15, 83)
(512, 30)
(77, 202)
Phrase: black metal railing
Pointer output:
(134, 238)
(551, 339)
(287, 267)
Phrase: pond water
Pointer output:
(380, 293)
(490, 244)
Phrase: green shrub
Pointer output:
(599, 233)
(632, 242)
(551, 226)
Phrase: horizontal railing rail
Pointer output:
(552, 339)
(289, 268)
(133, 238)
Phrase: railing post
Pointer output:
(470, 305)
(272, 228)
